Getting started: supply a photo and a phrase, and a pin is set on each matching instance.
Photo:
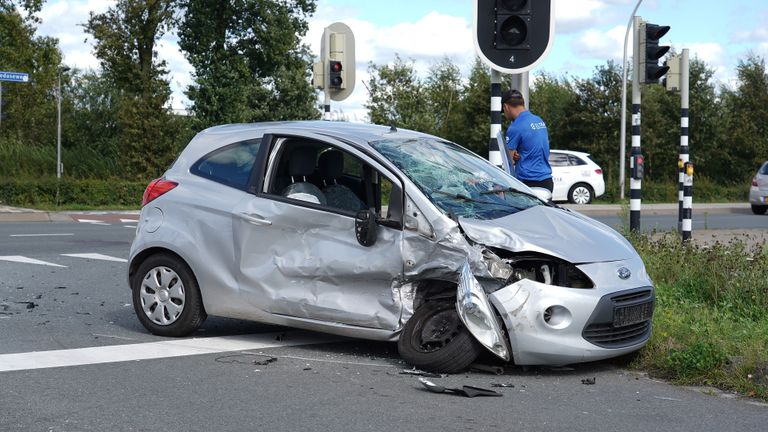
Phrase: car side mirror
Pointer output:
(365, 227)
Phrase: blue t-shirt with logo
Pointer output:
(528, 135)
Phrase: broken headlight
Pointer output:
(512, 267)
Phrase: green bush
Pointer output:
(50, 193)
(710, 325)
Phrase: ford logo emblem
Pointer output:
(624, 273)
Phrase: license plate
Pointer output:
(628, 315)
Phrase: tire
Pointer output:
(166, 297)
(759, 209)
(581, 193)
(451, 348)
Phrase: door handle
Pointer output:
(255, 219)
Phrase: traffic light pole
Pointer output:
(520, 82)
(1, 103)
(635, 185)
(686, 178)
(494, 152)
(326, 74)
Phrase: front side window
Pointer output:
(230, 165)
(457, 181)
(314, 172)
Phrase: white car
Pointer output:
(577, 177)
(758, 192)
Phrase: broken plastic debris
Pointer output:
(588, 381)
(418, 372)
(498, 370)
(466, 391)
(265, 361)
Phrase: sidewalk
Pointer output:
(15, 214)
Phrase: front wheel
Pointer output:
(435, 339)
(166, 297)
(759, 209)
(580, 193)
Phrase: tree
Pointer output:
(125, 44)
(397, 97)
(250, 64)
(745, 123)
(28, 108)
(473, 125)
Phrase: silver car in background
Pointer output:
(384, 234)
(758, 191)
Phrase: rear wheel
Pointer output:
(759, 209)
(580, 193)
(166, 297)
(435, 339)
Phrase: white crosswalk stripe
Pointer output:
(128, 220)
(27, 260)
(96, 256)
(92, 221)
(155, 350)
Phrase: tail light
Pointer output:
(155, 189)
(754, 182)
(599, 171)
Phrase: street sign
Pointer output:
(14, 76)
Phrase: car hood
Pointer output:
(552, 231)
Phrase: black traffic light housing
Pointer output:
(336, 77)
(513, 36)
(651, 52)
(637, 167)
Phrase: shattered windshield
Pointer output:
(457, 181)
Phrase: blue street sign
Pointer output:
(14, 76)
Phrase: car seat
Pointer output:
(331, 167)
(301, 165)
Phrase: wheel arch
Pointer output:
(142, 256)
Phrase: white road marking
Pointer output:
(154, 350)
(96, 256)
(41, 235)
(93, 221)
(25, 260)
(128, 220)
(130, 226)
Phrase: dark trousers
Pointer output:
(546, 184)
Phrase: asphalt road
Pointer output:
(72, 306)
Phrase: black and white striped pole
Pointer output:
(494, 152)
(635, 166)
(684, 112)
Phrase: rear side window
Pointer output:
(764, 170)
(558, 159)
(230, 165)
(575, 161)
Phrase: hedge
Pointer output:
(50, 193)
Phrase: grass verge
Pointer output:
(710, 324)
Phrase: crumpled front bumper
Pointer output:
(552, 325)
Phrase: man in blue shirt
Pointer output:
(527, 142)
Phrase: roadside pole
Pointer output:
(686, 173)
(494, 152)
(635, 184)
(326, 47)
(1, 103)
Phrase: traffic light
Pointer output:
(672, 80)
(651, 52)
(336, 77)
(513, 36)
(335, 73)
(637, 167)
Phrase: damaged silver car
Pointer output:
(384, 234)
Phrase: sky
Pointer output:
(588, 34)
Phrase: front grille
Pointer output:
(631, 297)
(601, 330)
(608, 336)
